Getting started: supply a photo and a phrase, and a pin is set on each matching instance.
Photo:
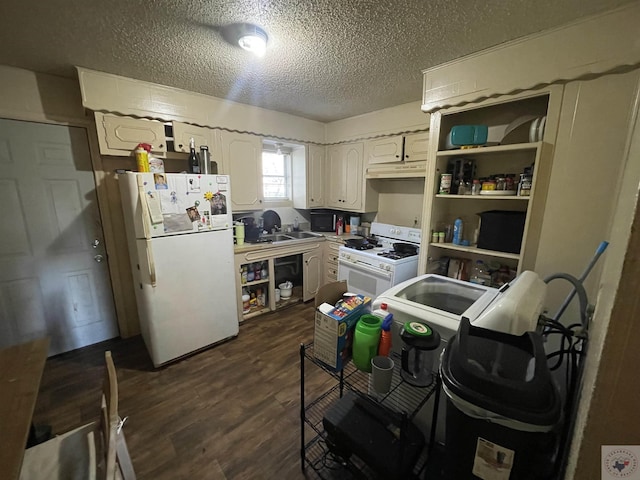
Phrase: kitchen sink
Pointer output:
(300, 235)
(287, 237)
(275, 237)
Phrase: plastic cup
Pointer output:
(277, 294)
(381, 373)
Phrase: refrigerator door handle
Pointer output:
(145, 208)
(152, 264)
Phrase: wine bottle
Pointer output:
(194, 165)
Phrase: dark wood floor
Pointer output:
(230, 412)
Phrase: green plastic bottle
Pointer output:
(365, 341)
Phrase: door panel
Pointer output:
(52, 278)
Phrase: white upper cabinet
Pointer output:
(308, 176)
(416, 147)
(384, 150)
(120, 136)
(242, 160)
(183, 132)
(396, 149)
(346, 186)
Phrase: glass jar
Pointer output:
(489, 185)
(475, 188)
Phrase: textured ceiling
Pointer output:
(326, 60)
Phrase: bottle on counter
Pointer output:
(339, 226)
(194, 164)
(205, 160)
(142, 156)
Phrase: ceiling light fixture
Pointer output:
(253, 39)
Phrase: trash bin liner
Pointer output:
(503, 407)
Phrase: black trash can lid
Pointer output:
(501, 373)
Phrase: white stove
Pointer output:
(373, 271)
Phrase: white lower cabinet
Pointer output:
(300, 263)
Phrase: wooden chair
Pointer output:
(96, 451)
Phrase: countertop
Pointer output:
(249, 247)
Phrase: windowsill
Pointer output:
(277, 203)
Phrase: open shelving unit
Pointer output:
(515, 154)
(317, 461)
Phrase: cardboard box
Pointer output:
(334, 324)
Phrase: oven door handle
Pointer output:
(367, 268)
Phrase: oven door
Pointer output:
(364, 279)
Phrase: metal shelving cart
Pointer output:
(403, 399)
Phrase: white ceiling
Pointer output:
(326, 59)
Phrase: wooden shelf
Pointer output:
(476, 250)
(488, 150)
(257, 282)
(483, 197)
(255, 311)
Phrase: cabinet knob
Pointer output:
(406, 156)
(161, 145)
(397, 156)
(179, 145)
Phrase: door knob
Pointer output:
(98, 258)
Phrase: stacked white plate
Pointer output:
(536, 131)
(518, 131)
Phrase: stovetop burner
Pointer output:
(363, 246)
(393, 255)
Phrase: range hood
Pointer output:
(397, 170)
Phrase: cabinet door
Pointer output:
(121, 135)
(384, 150)
(353, 177)
(312, 273)
(182, 132)
(242, 160)
(335, 178)
(315, 176)
(416, 147)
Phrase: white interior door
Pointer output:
(54, 279)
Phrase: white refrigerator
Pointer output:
(180, 237)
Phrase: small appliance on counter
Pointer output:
(323, 220)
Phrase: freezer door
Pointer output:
(193, 303)
(173, 203)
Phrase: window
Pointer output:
(276, 174)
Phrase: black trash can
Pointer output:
(503, 408)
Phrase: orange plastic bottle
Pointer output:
(384, 347)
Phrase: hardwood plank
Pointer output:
(229, 412)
